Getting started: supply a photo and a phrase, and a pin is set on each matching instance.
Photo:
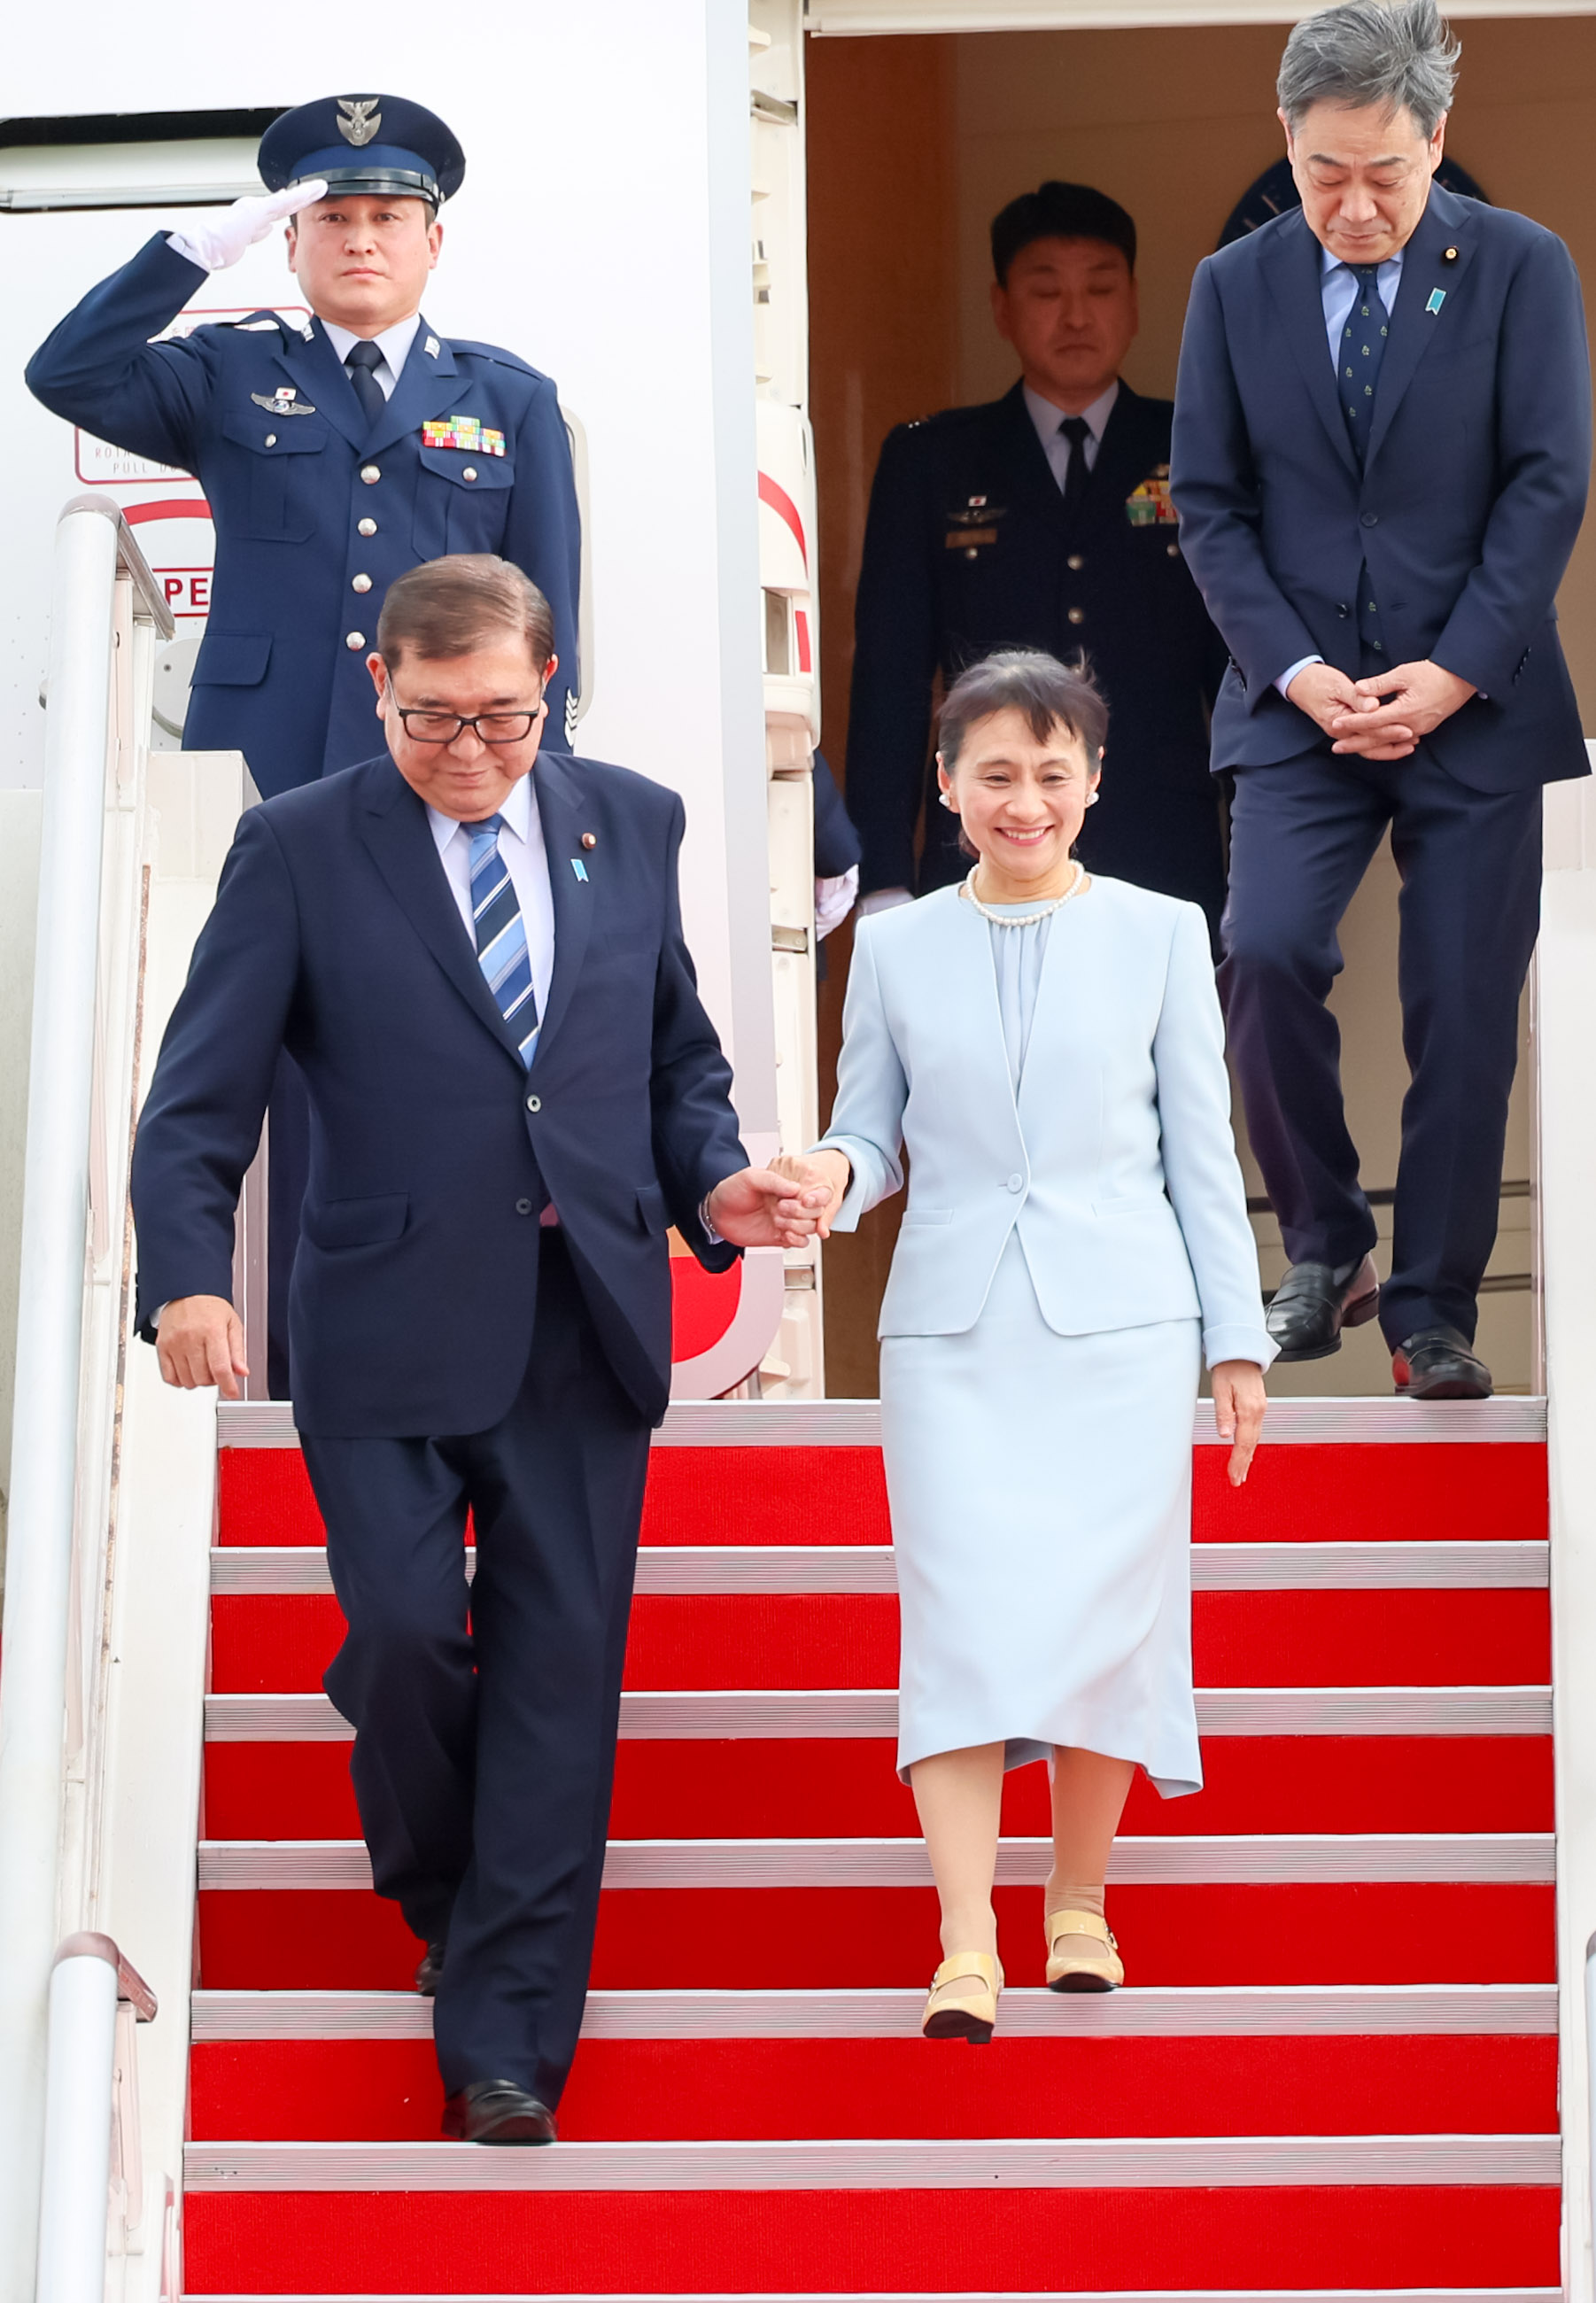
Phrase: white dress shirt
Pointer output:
(1047, 418)
(521, 844)
(1338, 289)
(396, 343)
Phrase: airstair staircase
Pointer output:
(1351, 2061)
(1335, 2067)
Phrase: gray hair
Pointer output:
(1401, 57)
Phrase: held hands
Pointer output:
(219, 245)
(1238, 1405)
(199, 1339)
(767, 1207)
(825, 1173)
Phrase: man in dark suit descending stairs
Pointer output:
(1042, 519)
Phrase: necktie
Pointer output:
(502, 934)
(1363, 348)
(1358, 372)
(1077, 432)
(362, 360)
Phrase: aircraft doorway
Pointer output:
(914, 141)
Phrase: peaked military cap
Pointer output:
(364, 144)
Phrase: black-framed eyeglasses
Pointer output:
(425, 726)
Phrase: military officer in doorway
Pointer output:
(334, 457)
(1042, 519)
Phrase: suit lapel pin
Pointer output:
(1438, 297)
(1449, 255)
(580, 868)
(590, 840)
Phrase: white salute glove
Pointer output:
(219, 245)
(834, 900)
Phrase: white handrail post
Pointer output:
(50, 1292)
(77, 2126)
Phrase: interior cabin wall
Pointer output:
(913, 143)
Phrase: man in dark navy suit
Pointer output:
(1382, 439)
(514, 1092)
(334, 460)
(1040, 520)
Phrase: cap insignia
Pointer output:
(360, 119)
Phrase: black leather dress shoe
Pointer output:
(497, 2111)
(430, 1968)
(1314, 1301)
(1437, 1363)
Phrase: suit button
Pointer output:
(1078, 615)
(270, 439)
(359, 584)
(1368, 520)
(469, 473)
(368, 528)
(1075, 563)
(971, 553)
(534, 1103)
(1173, 550)
(370, 472)
(1017, 1183)
(523, 1207)
(354, 639)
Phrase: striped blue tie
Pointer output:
(502, 934)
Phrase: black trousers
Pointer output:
(1302, 836)
(485, 1716)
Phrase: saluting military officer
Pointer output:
(334, 458)
(1042, 519)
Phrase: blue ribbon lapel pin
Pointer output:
(580, 868)
(1438, 297)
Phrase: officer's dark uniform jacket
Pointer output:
(967, 550)
(316, 511)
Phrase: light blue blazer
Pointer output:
(1114, 1160)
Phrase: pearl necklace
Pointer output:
(1009, 920)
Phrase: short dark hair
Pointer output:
(1024, 679)
(1057, 211)
(455, 605)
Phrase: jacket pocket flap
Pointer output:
(356, 1223)
(290, 435)
(651, 1207)
(456, 463)
(232, 659)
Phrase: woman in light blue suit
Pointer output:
(1049, 1047)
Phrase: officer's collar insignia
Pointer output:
(467, 431)
(284, 401)
(360, 119)
(432, 348)
(571, 715)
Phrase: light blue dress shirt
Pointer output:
(1047, 418)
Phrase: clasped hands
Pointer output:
(1382, 718)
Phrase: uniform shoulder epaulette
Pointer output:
(944, 419)
(498, 355)
(254, 323)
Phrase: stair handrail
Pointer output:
(95, 552)
(91, 2114)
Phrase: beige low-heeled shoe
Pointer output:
(973, 2014)
(1090, 1963)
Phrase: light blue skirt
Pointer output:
(1041, 1495)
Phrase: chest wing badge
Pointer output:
(284, 401)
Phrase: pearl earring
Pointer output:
(946, 798)
(1091, 799)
